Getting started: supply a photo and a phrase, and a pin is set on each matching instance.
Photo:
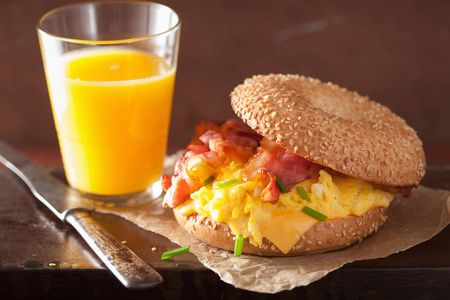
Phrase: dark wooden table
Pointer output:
(41, 256)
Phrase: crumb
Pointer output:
(154, 249)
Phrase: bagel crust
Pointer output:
(323, 237)
(332, 126)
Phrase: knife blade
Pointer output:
(72, 208)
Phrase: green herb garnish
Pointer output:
(203, 166)
(314, 213)
(303, 193)
(281, 185)
(238, 245)
(209, 180)
(175, 252)
(226, 183)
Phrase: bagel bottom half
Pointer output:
(323, 237)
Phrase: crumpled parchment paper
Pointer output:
(411, 221)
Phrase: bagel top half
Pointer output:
(332, 126)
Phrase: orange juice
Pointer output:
(112, 115)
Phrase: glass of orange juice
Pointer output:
(110, 70)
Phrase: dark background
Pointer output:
(396, 52)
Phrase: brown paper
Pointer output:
(411, 221)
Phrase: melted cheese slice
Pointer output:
(284, 229)
(292, 225)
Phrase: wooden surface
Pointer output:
(396, 52)
(40, 255)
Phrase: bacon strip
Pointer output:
(288, 166)
(406, 192)
(203, 127)
(234, 138)
(214, 146)
(211, 158)
(271, 192)
(237, 129)
(166, 182)
(181, 184)
(177, 193)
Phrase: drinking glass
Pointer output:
(110, 70)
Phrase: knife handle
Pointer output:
(132, 271)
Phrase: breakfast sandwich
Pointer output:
(307, 167)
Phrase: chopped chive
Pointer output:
(303, 193)
(238, 245)
(175, 252)
(226, 183)
(314, 213)
(203, 166)
(209, 180)
(281, 185)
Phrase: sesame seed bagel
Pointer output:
(332, 126)
(323, 237)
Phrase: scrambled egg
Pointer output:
(239, 205)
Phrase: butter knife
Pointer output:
(72, 208)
